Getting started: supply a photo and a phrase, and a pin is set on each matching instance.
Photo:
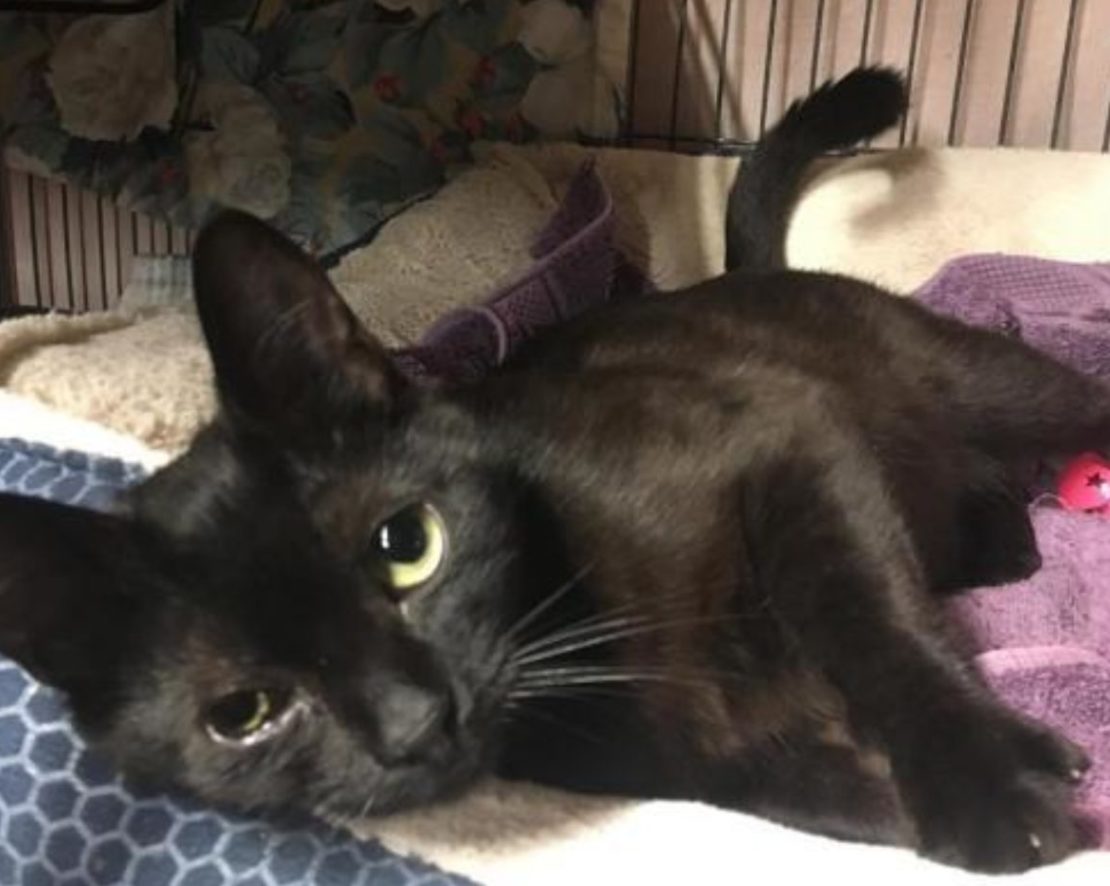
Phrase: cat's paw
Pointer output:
(1003, 804)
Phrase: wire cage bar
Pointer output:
(71, 250)
(710, 75)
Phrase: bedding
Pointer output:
(324, 118)
(63, 813)
(1045, 642)
(517, 834)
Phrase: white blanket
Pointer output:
(519, 835)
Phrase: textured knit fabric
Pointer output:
(1045, 642)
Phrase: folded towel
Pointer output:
(1044, 643)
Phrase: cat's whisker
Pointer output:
(578, 631)
(617, 616)
(546, 680)
(627, 681)
(560, 723)
(661, 603)
(532, 656)
(371, 797)
(632, 609)
(576, 693)
(546, 603)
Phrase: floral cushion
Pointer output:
(323, 117)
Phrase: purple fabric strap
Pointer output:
(575, 269)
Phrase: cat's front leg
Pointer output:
(985, 789)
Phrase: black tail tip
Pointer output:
(878, 96)
(858, 106)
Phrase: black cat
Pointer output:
(685, 546)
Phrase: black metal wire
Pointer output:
(49, 246)
(9, 285)
(119, 251)
(911, 65)
(816, 56)
(630, 74)
(66, 247)
(767, 59)
(1065, 67)
(83, 260)
(100, 247)
(79, 7)
(728, 147)
(722, 64)
(1106, 129)
(34, 239)
(961, 64)
(677, 81)
(1011, 71)
(84, 254)
(866, 41)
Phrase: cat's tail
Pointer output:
(838, 115)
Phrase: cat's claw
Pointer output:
(1010, 810)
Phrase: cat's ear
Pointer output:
(66, 608)
(291, 359)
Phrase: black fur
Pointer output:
(694, 545)
(836, 116)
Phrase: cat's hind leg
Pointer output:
(805, 783)
(1008, 399)
(985, 788)
(994, 539)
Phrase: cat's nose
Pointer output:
(412, 721)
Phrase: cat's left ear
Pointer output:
(68, 591)
(291, 359)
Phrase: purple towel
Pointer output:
(1044, 643)
(1062, 308)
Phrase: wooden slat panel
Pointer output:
(74, 249)
(179, 241)
(92, 245)
(109, 225)
(19, 196)
(160, 238)
(44, 291)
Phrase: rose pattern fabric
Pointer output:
(568, 95)
(240, 159)
(113, 76)
(325, 117)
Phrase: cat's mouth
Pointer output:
(405, 786)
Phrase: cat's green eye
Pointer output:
(410, 546)
(248, 716)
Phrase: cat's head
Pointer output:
(312, 606)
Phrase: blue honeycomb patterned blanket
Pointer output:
(67, 818)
